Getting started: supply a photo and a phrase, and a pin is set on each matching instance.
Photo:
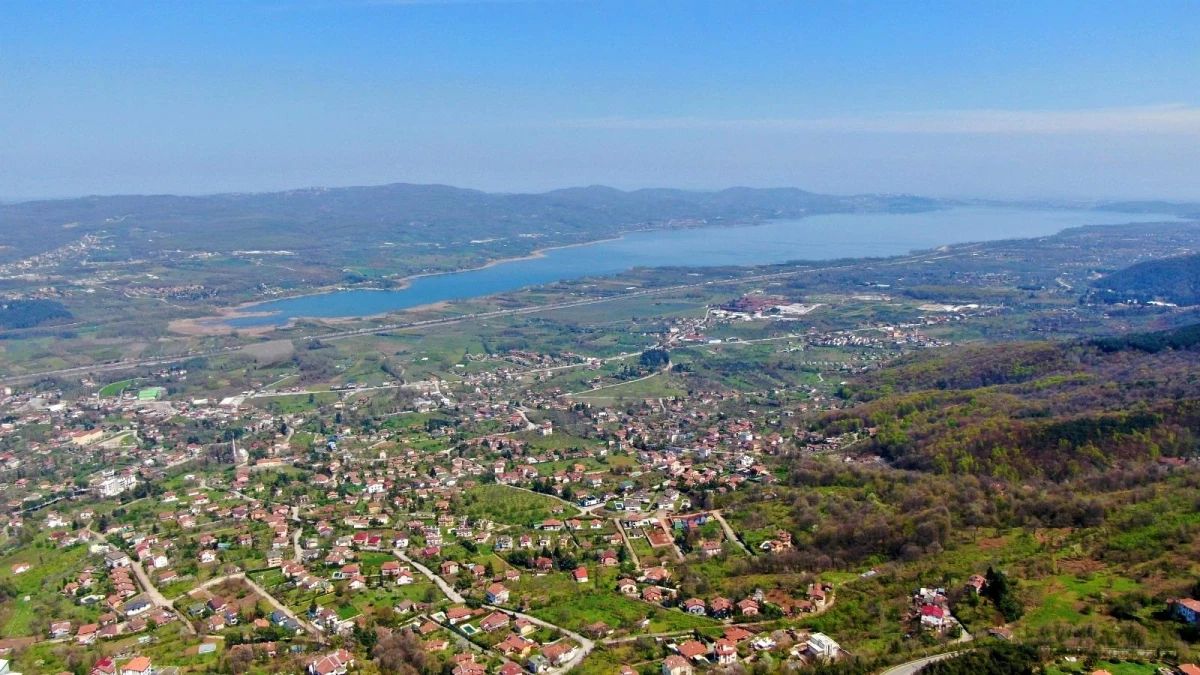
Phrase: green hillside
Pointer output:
(1028, 410)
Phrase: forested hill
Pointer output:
(1034, 410)
(1175, 280)
(321, 220)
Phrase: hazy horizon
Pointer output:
(1073, 101)
(1016, 200)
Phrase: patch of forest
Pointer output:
(29, 313)
(1032, 410)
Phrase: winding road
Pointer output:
(266, 596)
(586, 646)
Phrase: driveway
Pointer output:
(729, 532)
(447, 589)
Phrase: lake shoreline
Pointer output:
(403, 283)
(217, 324)
(815, 237)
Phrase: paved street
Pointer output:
(912, 667)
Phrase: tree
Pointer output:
(1003, 594)
(400, 652)
(366, 637)
(239, 660)
(654, 358)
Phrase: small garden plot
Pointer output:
(347, 611)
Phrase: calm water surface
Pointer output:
(823, 237)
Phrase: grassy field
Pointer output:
(1062, 597)
(556, 441)
(619, 612)
(116, 388)
(1116, 668)
(51, 567)
(511, 506)
(372, 560)
(290, 405)
(657, 386)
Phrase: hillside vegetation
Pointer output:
(1175, 280)
(30, 313)
(1028, 410)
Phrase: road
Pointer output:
(729, 532)
(637, 563)
(156, 596)
(280, 606)
(266, 596)
(447, 589)
(305, 392)
(608, 359)
(529, 426)
(674, 547)
(586, 645)
(583, 510)
(912, 667)
(587, 392)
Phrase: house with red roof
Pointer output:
(694, 650)
(932, 617)
(676, 665)
(494, 621)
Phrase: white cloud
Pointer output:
(1175, 119)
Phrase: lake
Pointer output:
(822, 237)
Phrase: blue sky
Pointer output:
(1012, 99)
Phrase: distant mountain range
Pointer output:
(322, 221)
(407, 228)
